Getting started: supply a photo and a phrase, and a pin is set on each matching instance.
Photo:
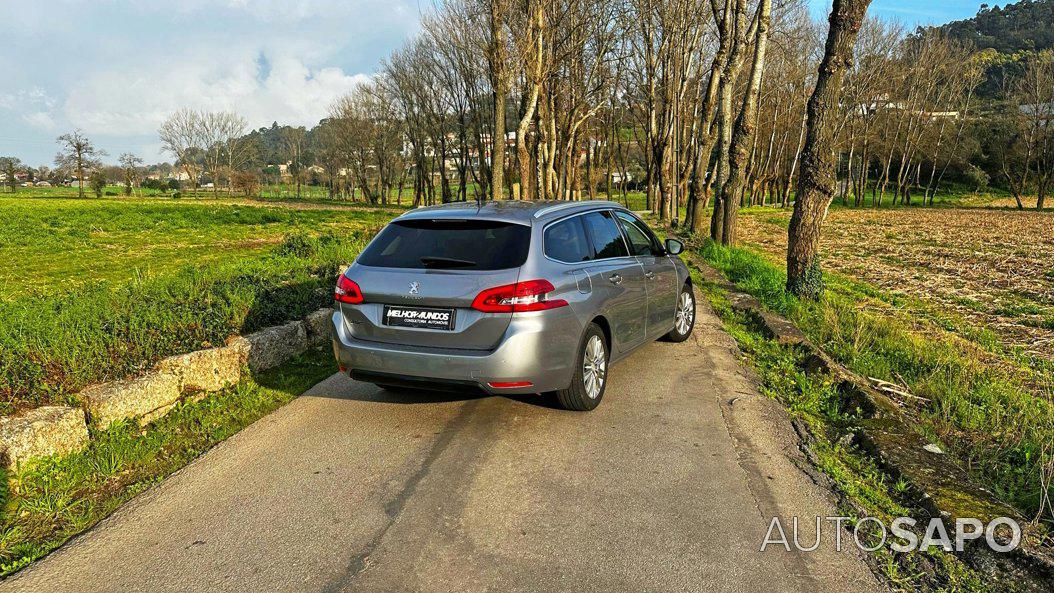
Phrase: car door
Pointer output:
(617, 279)
(659, 271)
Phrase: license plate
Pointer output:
(420, 317)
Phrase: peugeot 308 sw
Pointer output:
(511, 297)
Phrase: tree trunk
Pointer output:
(745, 130)
(80, 177)
(534, 80)
(497, 141)
(817, 179)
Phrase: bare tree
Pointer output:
(1026, 158)
(238, 149)
(131, 166)
(745, 129)
(182, 138)
(817, 180)
(532, 50)
(498, 58)
(371, 140)
(78, 154)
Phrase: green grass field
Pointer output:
(52, 245)
(95, 290)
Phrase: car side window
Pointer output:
(566, 241)
(640, 239)
(604, 235)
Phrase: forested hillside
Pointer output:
(1005, 39)
(1025, 26)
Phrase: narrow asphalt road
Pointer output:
(668, 486)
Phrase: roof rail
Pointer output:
(572, 204)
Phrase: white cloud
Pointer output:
(35, 107)
(112, 102)
(42, 120)
(118, 68)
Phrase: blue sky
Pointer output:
(918, 12)
(117, 68)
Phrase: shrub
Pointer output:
(977, 177)
(97, 182)
(247, 182)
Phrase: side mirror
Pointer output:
(674, 247)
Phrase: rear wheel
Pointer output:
(684, 320)
(590, 378)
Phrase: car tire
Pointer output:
(684, 318)
(590, 379)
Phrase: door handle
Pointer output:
(615, 279)
(649, 275)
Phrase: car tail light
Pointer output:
(509, 384)
(516, 298)
(347, 291)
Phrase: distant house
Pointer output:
(941, 114)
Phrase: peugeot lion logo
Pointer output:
(414, 287)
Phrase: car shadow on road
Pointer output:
(342, 387)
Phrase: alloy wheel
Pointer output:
(685, 312)
(594, 367)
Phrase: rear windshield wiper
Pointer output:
(446, 262)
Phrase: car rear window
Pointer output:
(566, 241)
(606, 238)
(449, 244)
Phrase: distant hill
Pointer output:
(1025, 26)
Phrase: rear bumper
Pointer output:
(527, 352)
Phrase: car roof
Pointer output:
(515, 211)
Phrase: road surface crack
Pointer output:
(394, 507)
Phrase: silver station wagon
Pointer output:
(509, 297)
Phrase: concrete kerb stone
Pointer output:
(60, 430)
(43, 432)
(144, 398)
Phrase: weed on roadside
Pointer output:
(864, 489)
(994, 414)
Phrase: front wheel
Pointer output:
(590, 379)
(684, 320)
